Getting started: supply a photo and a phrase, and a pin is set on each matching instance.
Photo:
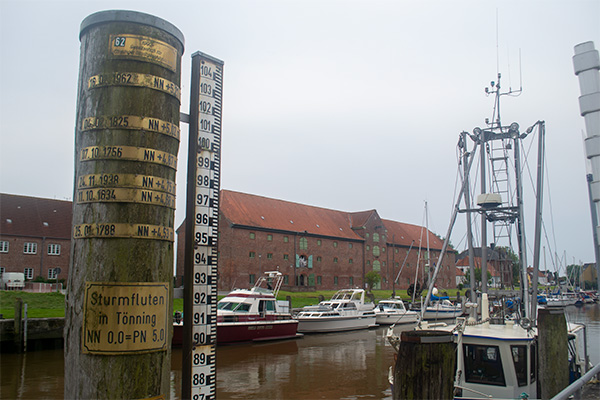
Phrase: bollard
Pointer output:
(118, 319)
(553, 353)
(425, 366)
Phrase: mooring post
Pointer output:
(553, 354)
(425, 366)
(18, 323)
(118, 323)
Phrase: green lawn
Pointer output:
(39, 305)
(45, 305)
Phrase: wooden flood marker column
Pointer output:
(425, 366)
(118, 312)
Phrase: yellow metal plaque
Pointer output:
(122, 230)
(126, 180)
(135, 79)
(125, 195)
(144, 48)
(129, 153)
(131, 122)
(124, 317)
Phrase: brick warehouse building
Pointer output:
(35, 236)
(316, 248)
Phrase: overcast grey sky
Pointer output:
(347, 105)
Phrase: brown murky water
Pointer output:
(351, 365)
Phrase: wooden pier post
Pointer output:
(553, 352)
(118, 323)
(425, 366)
(18, 321)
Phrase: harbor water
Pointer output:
(349, 365)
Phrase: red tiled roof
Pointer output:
(403, 234)
(360, 219)
(35, 217)
(262, 212)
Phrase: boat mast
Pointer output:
(447, 239)
(514, 129)
(467, 197)
(538, 213)
(428, 264)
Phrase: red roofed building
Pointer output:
(313, 247)
(498, 265)
(35, 236)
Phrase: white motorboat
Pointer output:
(393, 312)
(442, 308)
(347, 310)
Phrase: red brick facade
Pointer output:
(315, 248)
(35, 236)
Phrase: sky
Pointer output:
(346, 105)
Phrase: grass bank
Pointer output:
(48, 305)
(39, 305)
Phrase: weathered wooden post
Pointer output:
(425, 366)
(118, 307)
(553, 354)
(18, 324)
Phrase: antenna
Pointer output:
(497, 53)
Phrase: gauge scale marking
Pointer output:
(206, 217)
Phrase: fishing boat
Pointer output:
(498, 360)
(347, 310)
(250, 315)
(394, 312)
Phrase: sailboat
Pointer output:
(496, 360)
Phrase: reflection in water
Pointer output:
(348, 365)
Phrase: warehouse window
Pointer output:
(269, 237)
(28, 272)
(4, 246)
(30, 248)
(252, 254)
(54, 249)
(52, 273)
(252, 235)
(376, 266)
(303, 243)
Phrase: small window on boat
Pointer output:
(483, 364)
(519, 356)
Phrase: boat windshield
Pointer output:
(233, 306)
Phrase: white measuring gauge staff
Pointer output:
(204, 302)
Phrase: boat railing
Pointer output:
(272, 280)
(574, 387)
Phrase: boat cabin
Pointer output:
(497, 361)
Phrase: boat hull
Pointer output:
(441, 314)
(391, 319)
(335, 324)
(247, 331)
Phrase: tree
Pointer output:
(478, 276)
(372, 278)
